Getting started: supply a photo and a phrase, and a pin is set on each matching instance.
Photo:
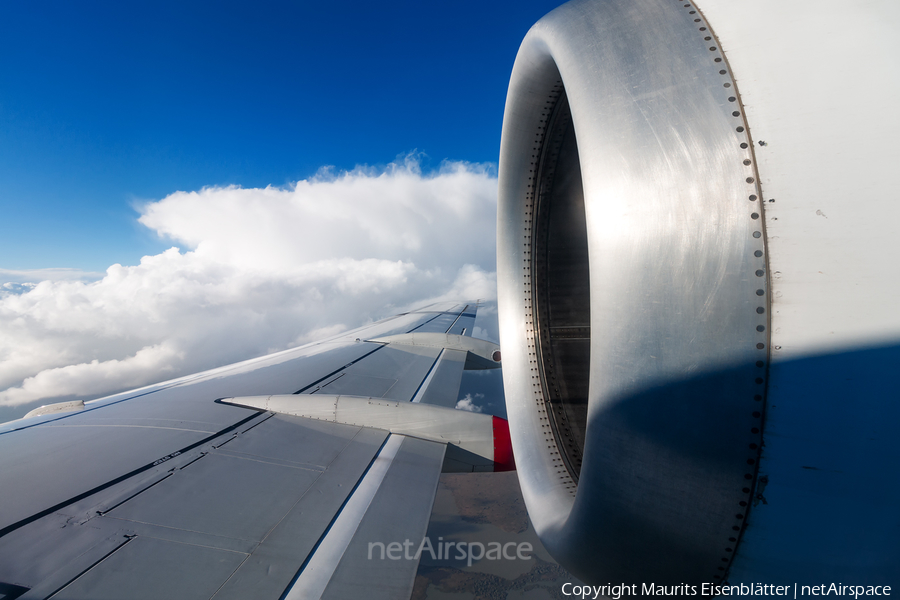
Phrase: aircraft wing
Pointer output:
(163, 492)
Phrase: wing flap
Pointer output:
(399, 513)
(147, 568)
(274, 564)
(445, 379)
(390, 507)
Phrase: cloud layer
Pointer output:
(252, 271)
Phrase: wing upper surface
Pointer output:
(162, 492)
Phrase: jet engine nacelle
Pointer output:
(699, 291)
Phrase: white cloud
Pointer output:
(97, 377)
(468, 403)
(252, 271)
(395, 215)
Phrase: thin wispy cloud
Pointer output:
(26, 279)
(252, 271)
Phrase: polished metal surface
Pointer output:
(673, 270)
(59, 407)
(469, 431)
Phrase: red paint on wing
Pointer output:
(503, 454)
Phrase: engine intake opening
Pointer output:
(561, 290)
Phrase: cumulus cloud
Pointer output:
(251, 271)
(397, 214)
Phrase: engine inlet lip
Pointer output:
(559, 500)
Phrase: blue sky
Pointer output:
(106, 104)
(175, 153)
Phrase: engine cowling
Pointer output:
(665, 322)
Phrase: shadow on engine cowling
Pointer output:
(695, 481)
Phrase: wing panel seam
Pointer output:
(48, 511)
